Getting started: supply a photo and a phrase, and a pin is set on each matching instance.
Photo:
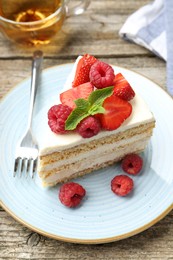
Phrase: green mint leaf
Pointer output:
(96, 110)
(74, 118)
(98, 96)
(82, 103)
(85, 108)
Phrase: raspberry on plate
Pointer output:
(57, 116)
(101, 75)
(71, 194)
(132, 164)
(122, 185)
(122, 88)
(89, 127)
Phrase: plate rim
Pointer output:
(77, 240)
(87, 241)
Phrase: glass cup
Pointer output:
(35, 22)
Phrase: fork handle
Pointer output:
(36, 68)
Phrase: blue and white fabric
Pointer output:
(152, 27)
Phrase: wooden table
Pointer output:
(95, 32)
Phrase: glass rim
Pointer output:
(57, 12)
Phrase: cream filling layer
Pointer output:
(98, 151)
(84, 164)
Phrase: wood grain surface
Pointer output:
(95, 32)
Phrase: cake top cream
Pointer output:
(49, 142)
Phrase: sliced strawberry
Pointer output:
(83, 69)
(122, 88)
(82, 91)
(116, 111)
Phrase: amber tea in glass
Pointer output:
(34, 22)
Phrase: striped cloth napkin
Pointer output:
(152, 27)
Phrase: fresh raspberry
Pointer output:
(122, 88)
(89, 127)
(71, 194)
(101, 75)
(122, 185)
(132, 164)
(57, 116)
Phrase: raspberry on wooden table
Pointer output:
(71, 194)
(101, 75)
(57, 116)
(122, 185)
(132, 164)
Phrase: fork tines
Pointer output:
(25, 165)
(26, 161)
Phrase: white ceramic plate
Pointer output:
(103, 216)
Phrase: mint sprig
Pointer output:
(97, 97)
(85, 108)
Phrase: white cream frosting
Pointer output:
(50, 142)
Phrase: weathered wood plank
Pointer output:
(18, 242)
(152, 67)
(96, 31)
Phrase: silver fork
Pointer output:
(26, 156)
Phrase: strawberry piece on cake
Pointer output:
(116, 111)
(82, 91)
(83, 69)
(122, 88)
